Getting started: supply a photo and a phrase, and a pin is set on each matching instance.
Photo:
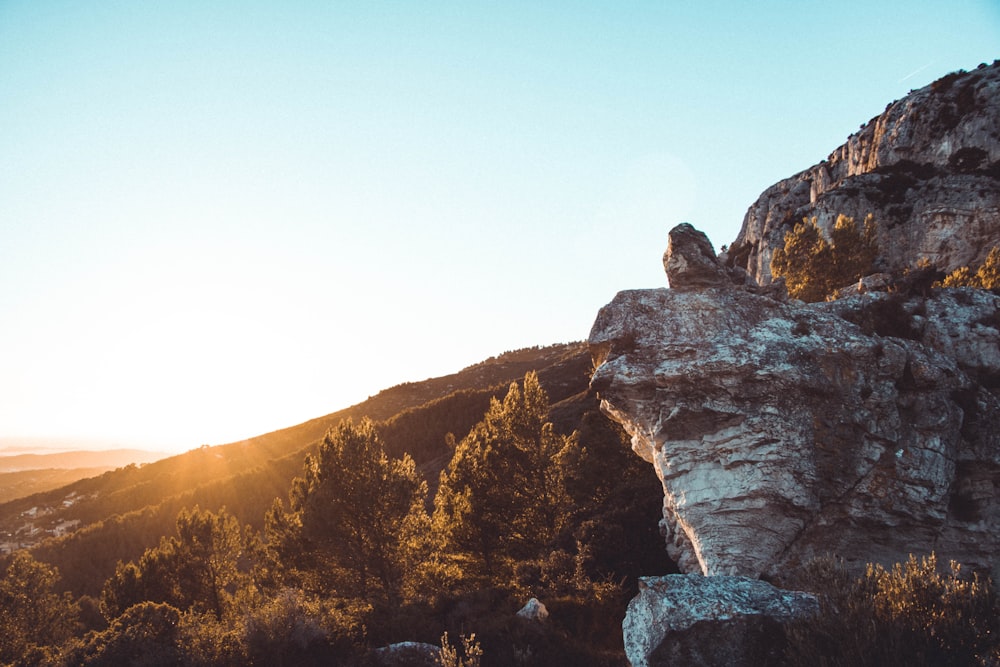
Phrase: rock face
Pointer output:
(697, 621)
(927, 169)
(865, 427)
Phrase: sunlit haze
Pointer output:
(222, 218)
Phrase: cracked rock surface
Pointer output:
(865, 427)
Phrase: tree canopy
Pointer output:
(504, 492)
(358, 513)
(987, 276)
(814, 268)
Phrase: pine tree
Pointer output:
(987, 276)
(198, 569)
(503, 495)
(815, 268)
(357, 517)
(32, 615)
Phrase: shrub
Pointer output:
(910, 614)
(814, 267)
(987, 276)
(472, 653)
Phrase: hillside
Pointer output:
(26, 474)
(122, 512)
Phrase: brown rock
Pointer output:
(690, 260)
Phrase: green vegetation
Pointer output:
(32, 615)
(357, 524)
(987, 276)
(503, 496)
(534, 500)
(199, 569)
(472, 653)
(814, 268)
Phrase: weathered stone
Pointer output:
(407, 654)
(690, 260)
(697, 621)
(927, 169)
(533, 610)
(863, 427)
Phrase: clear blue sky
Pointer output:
(222, 218)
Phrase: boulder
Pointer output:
(690, 260)
(407, 654)
(697, 621)
(533, 611)
(864, 427)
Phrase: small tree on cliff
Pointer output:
(987, 276)
(814, 268)
(504, 492)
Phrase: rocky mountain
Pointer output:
(927, 169)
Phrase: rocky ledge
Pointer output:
(781, 431)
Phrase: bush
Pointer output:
(911, 614)
(814, 267)
(987, 276)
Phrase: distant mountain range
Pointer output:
(109, 459)
(23, 474)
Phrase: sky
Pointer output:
(218, 219)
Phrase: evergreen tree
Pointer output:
(987, 276)
(814, 268)
(199, 569)
(357, 517)
(32, 615)
(504, 492)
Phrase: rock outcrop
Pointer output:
(865, 427)
(927, 169)
(698, 621)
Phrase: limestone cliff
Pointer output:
(865, 427)
(927, 169)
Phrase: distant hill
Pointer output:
(124, 511)
(27, 474)
(108, 459)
